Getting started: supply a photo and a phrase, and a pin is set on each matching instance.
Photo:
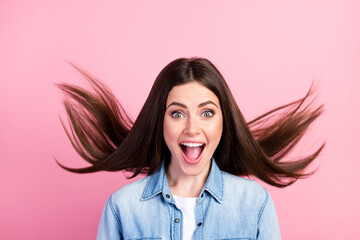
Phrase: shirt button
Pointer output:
(177, 220)
(167, 195)
(200, 224)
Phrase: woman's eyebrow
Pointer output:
(176, 104)
(206, 103)
(184, 106)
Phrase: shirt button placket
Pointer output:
(198, 234)
(177, 224)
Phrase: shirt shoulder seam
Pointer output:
(263, 206)
(114, 213)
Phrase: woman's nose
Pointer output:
(192, 126)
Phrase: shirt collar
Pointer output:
(215, 182)
(158, 184)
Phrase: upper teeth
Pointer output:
(192, 144)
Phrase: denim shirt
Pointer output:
(229, 207)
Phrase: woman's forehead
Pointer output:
(192, 93)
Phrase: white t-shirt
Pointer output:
(187, 207)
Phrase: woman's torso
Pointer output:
(229, 207)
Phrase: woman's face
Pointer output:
(193, 125)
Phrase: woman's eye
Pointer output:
(177, 115)
(207, 114)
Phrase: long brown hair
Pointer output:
(103, 134)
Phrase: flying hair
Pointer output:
(104, 135)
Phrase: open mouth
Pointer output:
(192, 151)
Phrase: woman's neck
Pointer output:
(185, 185)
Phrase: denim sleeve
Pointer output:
(110, 225)
(268, 225)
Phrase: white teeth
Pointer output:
(192, 144)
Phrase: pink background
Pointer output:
(269, 52)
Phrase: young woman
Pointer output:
(192, 141)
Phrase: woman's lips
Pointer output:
(192, 152)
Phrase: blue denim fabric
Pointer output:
(229, 207)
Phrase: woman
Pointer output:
(192, 141)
